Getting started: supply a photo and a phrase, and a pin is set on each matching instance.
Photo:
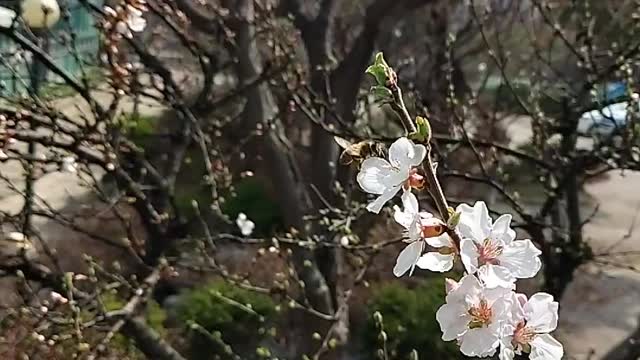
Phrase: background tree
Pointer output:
(216, 101)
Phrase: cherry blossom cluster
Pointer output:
(483, 313)
(120, 22)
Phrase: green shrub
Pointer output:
(252, 199)
(236, 313)
(139, 128)
(154, 315)
(409, 317)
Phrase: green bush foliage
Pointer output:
(155, 317)
(409, 321)
(252, 199)
(236, 313)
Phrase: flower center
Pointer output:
(523, 335)
(488, 252)
(480, 315)
(414, 180)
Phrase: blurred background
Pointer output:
(171, 188)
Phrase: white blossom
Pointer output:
(134, 21)
(344, 241)
(490, 249)
(474, 315)
(385, 178)
(529, 327)
(422, 228)
(245, 225)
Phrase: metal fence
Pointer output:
(82, 52)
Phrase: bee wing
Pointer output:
(345, 144)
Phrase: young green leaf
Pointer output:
(379, 70)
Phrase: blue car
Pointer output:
(604, 122)
(609, 120)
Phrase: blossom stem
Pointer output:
(401, 109)
(435, 190)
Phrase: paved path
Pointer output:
(602, 305)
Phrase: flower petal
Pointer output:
(419, 153)
(522, 258)
(376, 205)
(496, 276)
(475, 222)
(545, 347)
(482, 217)
(541, 313)
(404, 154)
(469, 255)
(400, 152)
(247, 228)
(409, 217)
(499, 298)
(453, 320)
(405, 219)
(468, 286)
(506, 349)
(450, 285)
(137, 23)
(439, 241)
(436, 262)
(479, 341)
(407, 258)
(410, 203)
(501, 229)
(466, 224)
(374, 174)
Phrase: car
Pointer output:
(604, 122)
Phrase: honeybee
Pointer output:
(358, 151)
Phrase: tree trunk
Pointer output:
(261, 109)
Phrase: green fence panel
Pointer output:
(71, 57)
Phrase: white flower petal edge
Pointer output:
(541, 313)
(379, 202)
(436, 262)
(373, 173)
(546, 347)
(474, 316)
(245, 225)
(529, 328)
(490, 249)
(414, 223)
(385, 178)
(496, 276)
(521, 258)
(403, 153)
(408, 258)
(409, 217)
